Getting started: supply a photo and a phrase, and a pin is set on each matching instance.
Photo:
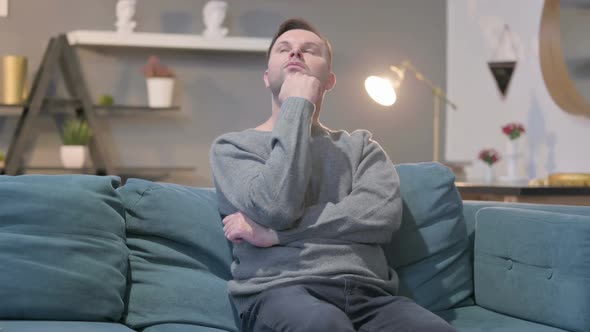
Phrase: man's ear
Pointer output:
(331, 81)
(265, 78)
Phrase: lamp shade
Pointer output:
(381, 90)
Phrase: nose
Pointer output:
(295, 52)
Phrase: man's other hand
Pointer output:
(238, 227)
(301, 85)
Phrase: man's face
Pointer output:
(298, 51)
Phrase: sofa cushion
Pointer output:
(179, 256)
(62, 248)
(430, 250)
(534, 265)
(57, 326)
(478, 319)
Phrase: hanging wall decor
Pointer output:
(503, 69)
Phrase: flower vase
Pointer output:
(489, 174)
(512, 157)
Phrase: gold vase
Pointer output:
(15, 73)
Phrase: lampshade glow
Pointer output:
(381, 90)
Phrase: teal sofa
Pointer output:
(86, 253)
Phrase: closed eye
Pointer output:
(311, 50)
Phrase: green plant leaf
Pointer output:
(76, 132)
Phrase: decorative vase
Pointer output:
(15, 72)
(73, 156)
(489, 174)
(512, 157)
(160, 91)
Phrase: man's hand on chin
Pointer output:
(298, 84)
(238, 227)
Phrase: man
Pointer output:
(308, 208)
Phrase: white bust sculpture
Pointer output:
(213, 16)
(125, 12)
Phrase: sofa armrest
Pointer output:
(534, 265)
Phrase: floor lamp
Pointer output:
(382, 91)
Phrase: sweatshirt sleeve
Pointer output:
(272, 191)
(369, 214)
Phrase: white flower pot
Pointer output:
(73, 156)
(159, 91)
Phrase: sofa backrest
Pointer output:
(62, 248)
(179, 259)
(430, 252)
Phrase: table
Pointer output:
(524, 193)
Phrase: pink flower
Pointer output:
(513, 130)
(154, 68)
(489, 156)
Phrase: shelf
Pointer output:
(166, 41)
(11, 109)
(56, 105)
(125, 172)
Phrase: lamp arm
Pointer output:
(436, 90)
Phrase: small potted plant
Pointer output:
(490, 157)
(160, 83)
(76, 136)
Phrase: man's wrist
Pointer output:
(294, 103)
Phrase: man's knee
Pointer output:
(437, 325)
(403, 314)
(294, 309)
(326, 317)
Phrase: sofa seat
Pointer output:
(59, 326)
(170, 327)
(478, 319)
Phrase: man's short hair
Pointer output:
(299, 24)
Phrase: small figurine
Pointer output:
(125, 12)
(213, 16)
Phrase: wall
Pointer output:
(555, 140)
(224, 92)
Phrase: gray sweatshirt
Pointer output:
(332, 197)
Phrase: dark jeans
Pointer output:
(338, 308)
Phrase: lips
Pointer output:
(295, 64)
